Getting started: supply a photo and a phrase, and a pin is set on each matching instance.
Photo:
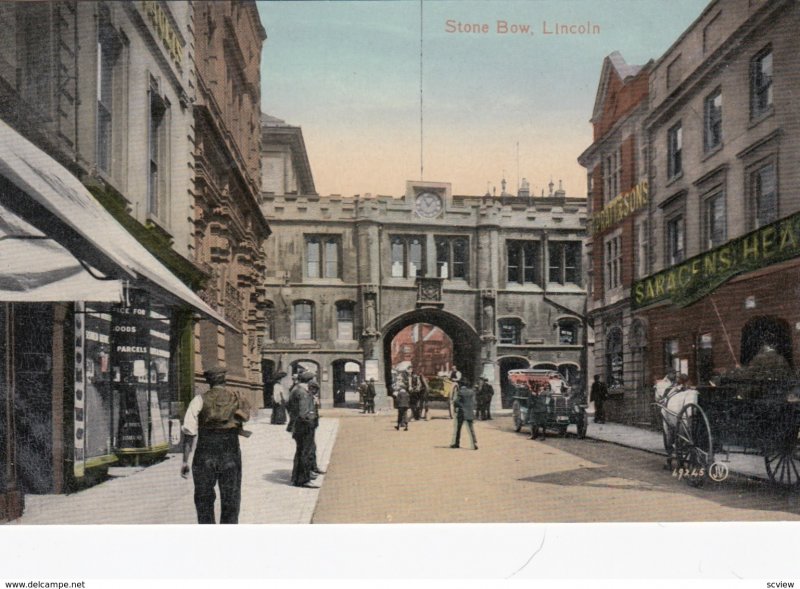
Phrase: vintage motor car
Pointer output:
(544, 400)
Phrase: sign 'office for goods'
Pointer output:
(689, 281)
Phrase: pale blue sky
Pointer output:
(348, 74)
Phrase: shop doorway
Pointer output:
(346, 376)
(433, 341)
(766, 331)
(506, 364)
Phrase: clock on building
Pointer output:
(428, 204)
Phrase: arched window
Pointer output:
(614, 374)
(510, 331)
(344, 320)
(303, 320)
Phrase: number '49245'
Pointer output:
(681, 473)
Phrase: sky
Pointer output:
(495, 104)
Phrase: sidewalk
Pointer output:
(749, 465)
(158, 495)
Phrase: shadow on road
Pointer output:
(278, 476)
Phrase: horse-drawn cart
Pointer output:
(749, 416)
(543, 400)
(441, 392)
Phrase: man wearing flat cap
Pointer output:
(302, 416)
(215, 418)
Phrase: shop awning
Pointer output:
(36, 269)
(60, 193)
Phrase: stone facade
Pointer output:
(229, 226)
(500, 276)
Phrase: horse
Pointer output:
(671, 398)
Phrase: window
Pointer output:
(567, 332)
(269, 321)
(712, 133)
(565, 262)
(614, 372)
(642, 247)
(765, 194)
(408, 256)
(671, 360)
(303, 320)
(761, 83)
(613, 252)
(510, 331)
(344, 320)
(452, 257)
(108, 52)
(322, 256)
(715, 222)
(36, 75)
(612, 172)
(674, 148)
(675, 240)
(521, 259)
(157, 153)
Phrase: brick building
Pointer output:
(618, 228)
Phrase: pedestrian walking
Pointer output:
(487, 392)
(599, 393)
(371, 396)
(402, 401)
(215, 418)
(278, 416)
(417, 393)
(464, 402)
(302, 414)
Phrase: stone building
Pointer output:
(97, 131)
(501, 276)
(229, 227)
(618, 240)
(723, 142)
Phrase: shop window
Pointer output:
(565, 262)
(712, 133)
(613, 262)
(568, 332)
(761, 83)
(521, 257)
(158, 146)
(676, 240)
(344, 320)
(452, 257)
(614, 369)
(671, 360)
(510, 331)
(322, 256)
(303, 321)
(715, 221)
(408, 256)
(674, 151)
(764, 190)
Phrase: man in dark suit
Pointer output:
(485, 393)
(464, 402)
(599, 393)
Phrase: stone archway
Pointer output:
(466, 342)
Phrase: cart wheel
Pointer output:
(694, 447)
(516, 413)
(783, 460)
(582, 424)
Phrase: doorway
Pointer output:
(346, 376)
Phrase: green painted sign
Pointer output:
(689, 281)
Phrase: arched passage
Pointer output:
(466, 343)
(346, 375)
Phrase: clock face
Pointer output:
(428, 204)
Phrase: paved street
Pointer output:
(379, 475)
